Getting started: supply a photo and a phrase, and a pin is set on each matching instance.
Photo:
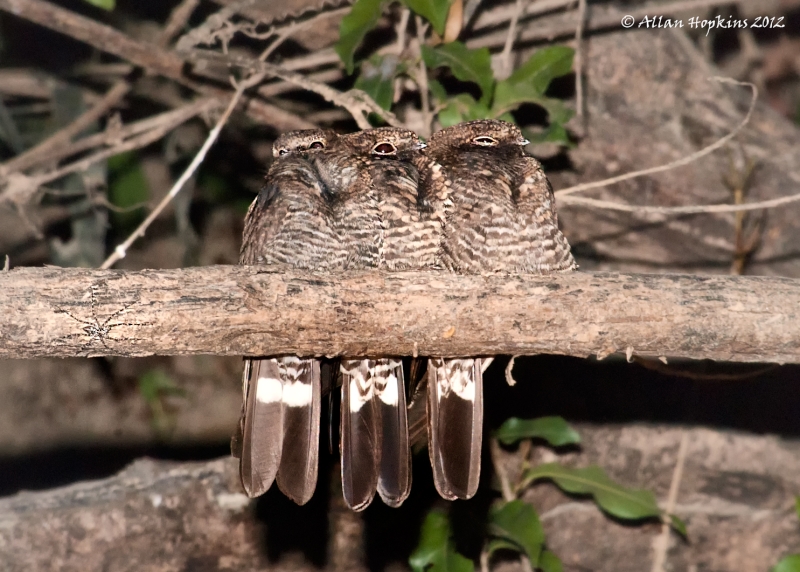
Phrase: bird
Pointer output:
(374, 185)
(500, 216)
(289, 224)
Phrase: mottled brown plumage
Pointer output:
(374, 187)
(290, 223)
(499, 217)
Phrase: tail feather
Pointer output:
(455, 425)
(262, 438)
(394, 477)
(360, 434)
(297, 473)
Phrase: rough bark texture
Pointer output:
(736, 498)
(254, 311)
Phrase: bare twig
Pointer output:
(20, 188)
(355, 101)
(121, 250)
(509, 492)
(96, 34)
(114, 136)
(509, 369)
(662, 542)
(422, 79)
(400, 30)
(564, 198)
(64, 136)
(506, 64)
(579, 59)
(148, 56)
(177, 20)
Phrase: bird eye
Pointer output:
(317, 145)
(283, 152)
(485, 141)
(384, 149)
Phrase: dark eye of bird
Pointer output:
(384, 149)
(283, 152)
(485, 141)
(317, 145)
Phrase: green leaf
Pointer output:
(155, 383)
(554, 133)
(153, 386)
(437, 90)
(678, 525)
(462, 107)
(436, 551)
(104, 4)
(554, 430)
(466, 64)
(788, 564)
(127, 186)
(434, 11)
(377, 79)
(517, 522)
(361, 19)
(530, 81)
(543, 67)
(549, 562)
(496, 544)
(616, 500)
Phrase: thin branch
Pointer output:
(20, 188)
(565, 198)
(680, 162)
(64, 136)
(662, 542)
(505, 56)
(509, 372)
(176, 21)
(422, 78)
(121, 250)
(355, 101)
(579, 59)
(116, 135)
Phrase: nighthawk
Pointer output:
(374, 189)
(472, 202)
(500, 217)
(290, 223)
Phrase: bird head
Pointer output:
(302, 140)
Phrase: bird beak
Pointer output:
(523, 141)
(419, 146)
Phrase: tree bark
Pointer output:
(230, 310)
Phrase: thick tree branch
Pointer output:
(262, 311)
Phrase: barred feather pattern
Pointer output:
(374, 188)
(499, 217)
(290, 223)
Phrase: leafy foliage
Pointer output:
(616, 500)
(788, 564)
(434, 11)
(104, 4)
(527, 85)
(127, 187)
(436, 551)
(377, 79)
(517, 523)
(361, 19)
(554, 430)
(154, 386)
(465, 64)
